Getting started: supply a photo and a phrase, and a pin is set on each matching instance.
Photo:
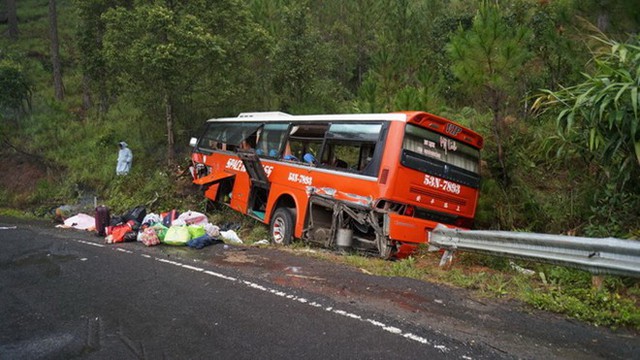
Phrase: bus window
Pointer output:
(228, 136)
(271, 140)
(352, 147)
(305, 142)
(433, 145)
(341, 155)
(441, 156)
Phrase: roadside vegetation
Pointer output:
(551, 85)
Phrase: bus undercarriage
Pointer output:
(338, 224)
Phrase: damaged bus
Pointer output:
(376, 183)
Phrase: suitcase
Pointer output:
(102, 220)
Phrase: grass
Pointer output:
(17, 213)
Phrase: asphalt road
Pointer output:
(64, 294)
(73, 297)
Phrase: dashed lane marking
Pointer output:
(391, 329)
(90, 243)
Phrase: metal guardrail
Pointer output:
(596, 255)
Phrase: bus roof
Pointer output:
(280, 116)
(420, 118)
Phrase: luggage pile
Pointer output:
(190, 228)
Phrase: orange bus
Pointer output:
(376, 183)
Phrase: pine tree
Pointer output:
(488, 60)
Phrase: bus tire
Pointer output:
(282, 224)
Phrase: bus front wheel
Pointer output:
(282, 224)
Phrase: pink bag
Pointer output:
(194, 218)
(149, 237)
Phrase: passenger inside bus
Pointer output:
(340, 163)
(309, 159)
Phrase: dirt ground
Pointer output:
(19, 175)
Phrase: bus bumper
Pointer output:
(408, 229)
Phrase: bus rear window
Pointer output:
(442, 148)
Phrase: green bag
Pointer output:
(161, 230)
(177, 235)
(196, 231)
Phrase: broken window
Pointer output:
(352, 147)
(271, 140)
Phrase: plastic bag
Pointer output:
(149, 237)
(151, 219)
(161, 231)
(130, 236)
(230, 237)
(196, 231)
(177, 235)
(212, 230)
(194, 218)
(118, 232)
(138, 213)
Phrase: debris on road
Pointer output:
(80, 221)
(190, 228)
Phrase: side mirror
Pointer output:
(193, 142)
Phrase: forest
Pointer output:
(552, 85)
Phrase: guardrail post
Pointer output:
(447, 259)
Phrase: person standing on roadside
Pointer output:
(125, 156)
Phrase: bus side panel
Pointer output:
(233, 165)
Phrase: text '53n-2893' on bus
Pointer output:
(376, 183)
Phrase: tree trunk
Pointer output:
(12, 19)
(498, 132)
(87, 103)
(105, 100)
(55, 51)
(169, 118)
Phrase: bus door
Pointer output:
(259, 183)
(211, 184)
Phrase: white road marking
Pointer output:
(90, 243)
(8, 227)
(192, 268)
(220, 275)
(390, 329)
